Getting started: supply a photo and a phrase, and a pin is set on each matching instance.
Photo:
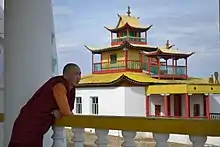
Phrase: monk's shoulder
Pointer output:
(59, 87)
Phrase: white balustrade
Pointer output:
(161, 140)
(102, 124)
(78, 137)
(129, 139)
(198, 141)
(59, 137)
(102, 140)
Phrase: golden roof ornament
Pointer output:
(211, 80)
(129, 11)
(168, 45)
(216, 76)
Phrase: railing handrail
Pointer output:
(156, 125)
(215, 113)
(128, 37)
(119, 61)
(168, 65)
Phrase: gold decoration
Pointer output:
(216, 77)
(211, 80)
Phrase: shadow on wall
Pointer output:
(215, 103)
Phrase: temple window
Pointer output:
(132, 34)
(95, 105)
(113, 58)
(79, 105)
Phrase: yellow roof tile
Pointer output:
(130, 20)
(143, 46)
(169, 51)
(138, 77)
(173, 51)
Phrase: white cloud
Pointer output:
(63, 43)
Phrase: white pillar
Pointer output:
(28, 54)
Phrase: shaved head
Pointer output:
(72, 74)
(68, 67)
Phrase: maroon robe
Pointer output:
(35, 117)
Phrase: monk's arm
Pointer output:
(59, 92)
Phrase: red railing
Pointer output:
(130, 39)
(162, 70)
(120, 65)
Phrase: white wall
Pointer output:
(215, 103)
(111, 100)
(196, 99)
(135, 100)
(214, 108)
(156, 99)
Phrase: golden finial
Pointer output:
(129, 11)
(167, 44)
(211, 80)
(216, 75)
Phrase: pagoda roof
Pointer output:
(128, 21)
(123, 45)
(168, 52)
(133, 77)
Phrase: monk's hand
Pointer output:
(56, 113)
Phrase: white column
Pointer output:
(78, 138)
(198, 141)
(129, 139)
(102, 140)
(28, 54)
(59, 137)
(161, 139)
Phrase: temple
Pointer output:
(141, 79)
(131, 61)
(130, 51)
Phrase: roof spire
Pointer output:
(129, 11)
(168, 44)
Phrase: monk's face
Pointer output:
(74, 76)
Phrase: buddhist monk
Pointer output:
(55, 98)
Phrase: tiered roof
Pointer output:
(168, 52)
(125, 44)
(136, 78)
(128, 21)
(141, 78)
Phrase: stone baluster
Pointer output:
(129, 139)
(198, 141)
(59, 137)
(161, 140)
(78, 137)
(102, 140)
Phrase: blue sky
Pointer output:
(192, 25)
